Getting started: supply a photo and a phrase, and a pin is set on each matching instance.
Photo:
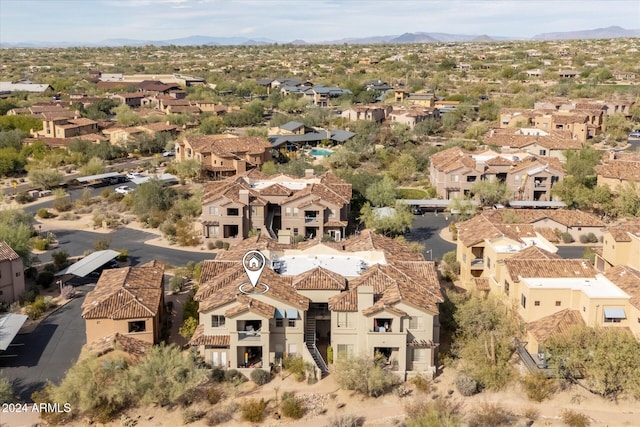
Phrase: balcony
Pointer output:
(477, 263)
(249, 335)
(249, 330)
(311, 219)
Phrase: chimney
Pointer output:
(244, 197)
(308, 173)
(365, 297)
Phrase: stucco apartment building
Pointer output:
(279, 206)
(370, 113)
(11, 274)
(620, 170)
(66, 125)
(224, 155)
(410, 117)
(537, 142)
(365, 295)
(127, 301)
(454, 172)
(620, 246)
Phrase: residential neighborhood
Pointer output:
(340, 234)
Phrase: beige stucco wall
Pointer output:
(11, 280)
(99, 328)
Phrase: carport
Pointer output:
(10, 325)
(90, 263)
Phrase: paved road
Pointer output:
(426, 230)
(46, 353)
(76, 242)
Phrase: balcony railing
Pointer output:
(310, 219)
(477, 263)
(249, 335)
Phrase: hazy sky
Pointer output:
(310, 20)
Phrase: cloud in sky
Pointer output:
(286, 20)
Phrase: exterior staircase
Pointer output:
(310, 340)
(269, 222)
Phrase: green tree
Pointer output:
(12, 139)
(11, 162)
(627, 203)
(152, 197)
(388, 223)
(6, 391)
(211, 126)
(188, 327)
(581, 164)
(188, 169)
(125, 116)
(607, 358)
(427, 127)
(94, 166)
(618, 126)
(403, 168)
(269, 168)
(485, 338)
(24, 123)
(489, 111)
(382, 193)
(44, 178)
(489, 193)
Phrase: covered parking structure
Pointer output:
(102, 178)
(10, 325)
(430, 204)
(89, 264)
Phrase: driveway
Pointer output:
(426, 231)
(76, 242)
(46, 353)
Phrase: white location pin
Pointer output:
(253, 263)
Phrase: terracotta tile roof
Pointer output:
(549, 268)
(389, 308)
(368, 240)
(534, 162)
(250, 304)
(225, 146)
(319, 279)
(345, 301)
(420, 343)
(210, 283)
(159, 127)
(482, 283)
(199, 338)
(480, 228)
(628, 170)
(134, 347)
(627, 279)
(556, 324)
(566, 217)
(620, 232)
(444, 160)
(499, 161)
(534, 252)
(125, 293)
(7, 253)
(548, 234)
(510, 137)
(276, 189)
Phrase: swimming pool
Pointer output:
(319, 152)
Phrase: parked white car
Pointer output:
(123, 189)
(169, 153)
(134, 175)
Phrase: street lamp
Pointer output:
(430, 252)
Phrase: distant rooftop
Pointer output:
(593, 287)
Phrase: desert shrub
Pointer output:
(491, 415)
(37, 308)
(588, 238)
(45, 279)
(210, 245)
(253, 410)
(190, 415)
(60, 259)
(49, 268)
(451, 266)
(329, 355)
(260, 376)
(40, 244)
(295, 366)
(68, 292)
(436, 413)
(345, 421)
(234, 376)
(218, 244)
(531, 413)
(575, 419)
(220, 417)
(101, 244)
(44, 213)
(213, 395)
(177, 282)
(466, 385)
(538, 387)
(6, 391)
(566, 237)
(225, 246)
(361, 374)
(29, 296)
(188, 328)
(217, 374)
(23, 198)
(292, 407)
(421, 383)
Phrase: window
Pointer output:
(345, 319)
(217, 321)
(17, 274)
(345, 350)
(471, 178)
(293, 349)
(279, 323)
(287, 211)
(214, 230)
(454, 178)
(543, 152)
(612, 320)
(415, 323)
(506, 287)
(295, 232)
(523, 301)
(291, 323)
(213, 210)
(536, 303)
(488, 262)
(558, 303)
(137, 326)
(419, 354)
(232, 212)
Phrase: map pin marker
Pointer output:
(253, 263)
